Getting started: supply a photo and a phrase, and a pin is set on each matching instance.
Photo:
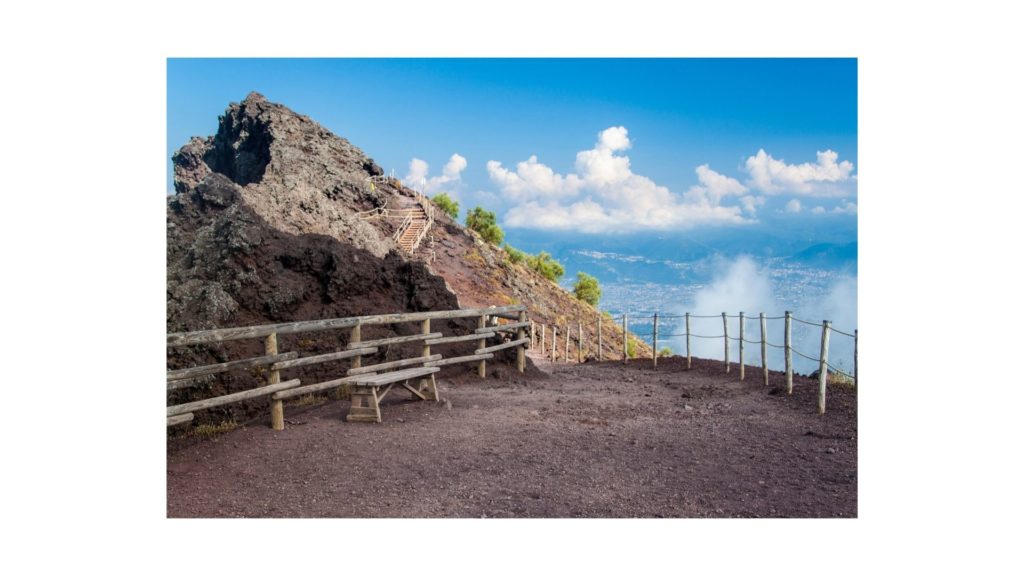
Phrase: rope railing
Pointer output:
(591, 333)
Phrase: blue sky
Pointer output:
(590, 145)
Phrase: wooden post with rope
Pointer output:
(789, 352)
(725, 327)
(764, 347)
(826, 327)
(655, 355)
(625, 338)
(689, 359)
(743, 370)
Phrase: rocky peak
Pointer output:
(293, 172)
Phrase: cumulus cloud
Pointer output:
(818, 210)
(605, 195)
(751, 203)
(532, 180)
(846, 207)
(823, 178)
(451, 174)
(793, 206)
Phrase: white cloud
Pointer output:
(605, 195)
(532, 180)
(713, 187)
(824, 178)
(752, 203)
(818, 210)
(846, 207)
(793, 206)
(417, 176)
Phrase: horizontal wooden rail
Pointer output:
(180, 419)
(311, 388)
(503, 327)
(229, 398)
(198, 371)
(395, 340)
(226, 334)
(395, 364)
(391, 377)
(450, 339)
(320, 358)
(497, 347)
(460, 360)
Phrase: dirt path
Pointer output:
(592, 440)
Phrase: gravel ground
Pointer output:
(564, 440)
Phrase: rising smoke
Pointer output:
(741, 284)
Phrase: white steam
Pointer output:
(742, 285)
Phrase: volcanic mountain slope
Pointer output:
(269, 224)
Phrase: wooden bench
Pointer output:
(370, 388)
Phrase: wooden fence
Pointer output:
(278, 362)
(550, 349)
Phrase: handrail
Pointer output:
(243, 332)
(402, 227)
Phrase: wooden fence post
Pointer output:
(764, 347)
(743, 370)
(625, 338)
(356, 336)
(568, 333)
(543, 339)
(425, 329)
(854, 358)
(532, 336)
(826, 327)
(481, 368)
(789, 352)
(688, 358)
(579, 340)
(554, 342)
(274, 377)
(725, 326)
(655, 358)
(520, 350)
(600, 339)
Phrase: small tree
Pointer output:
(547, 266)
(665, 352)
(514, 256)
(446, 204)
(485, 224)
(587, 289)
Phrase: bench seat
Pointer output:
(369, 389)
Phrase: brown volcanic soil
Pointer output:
(590, 440)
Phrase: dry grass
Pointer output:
(210, 430)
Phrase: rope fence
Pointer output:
(575, 334)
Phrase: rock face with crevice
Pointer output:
(291, 171)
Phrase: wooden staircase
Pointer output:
(414, 232)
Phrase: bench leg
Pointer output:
(365, 405)
(431, 389)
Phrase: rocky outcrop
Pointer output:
(294, 173)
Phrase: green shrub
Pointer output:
(586, 288)
(631, 348)
(446, 204)
(665, 352)
(485, 224)
(515, 256)
(547, 266)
